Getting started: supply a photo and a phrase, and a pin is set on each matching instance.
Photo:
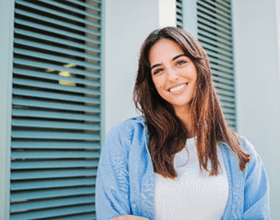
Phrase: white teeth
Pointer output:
(175, 89)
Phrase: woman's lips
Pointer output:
(178, 88)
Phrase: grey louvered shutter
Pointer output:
(179, 13)
(55, 109)
(215, 35)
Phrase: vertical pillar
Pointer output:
(167, 13)
(6, 63)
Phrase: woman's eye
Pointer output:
(157, 71)
(181, 62)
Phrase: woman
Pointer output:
(180, 160)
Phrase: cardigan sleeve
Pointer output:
(112, 184)
(256, 190)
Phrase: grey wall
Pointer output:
(258, 85)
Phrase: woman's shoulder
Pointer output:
(122, 135)
(126, 130)
(244, 143)
(128, 125)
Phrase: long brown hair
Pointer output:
(167, 133)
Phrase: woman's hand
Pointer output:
(129, 217)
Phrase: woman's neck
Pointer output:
(185, 116)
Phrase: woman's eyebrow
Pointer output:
(176, 57)
(159, 64)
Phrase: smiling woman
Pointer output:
(179, 160)
(174, 75)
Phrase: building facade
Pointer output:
(68, 71)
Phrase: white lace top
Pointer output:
(192, 195)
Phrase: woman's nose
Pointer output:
(172, 74)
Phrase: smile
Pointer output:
(178, 88)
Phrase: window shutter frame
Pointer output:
(216, 37)
(209, 21)
(6, 61)
(56, 121)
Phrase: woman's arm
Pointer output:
(112, 183)
(256, 191)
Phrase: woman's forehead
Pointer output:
(164, 49)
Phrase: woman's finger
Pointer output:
(129, 217)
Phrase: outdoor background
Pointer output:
(67, 75)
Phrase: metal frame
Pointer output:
(102, 74)
(234, 69)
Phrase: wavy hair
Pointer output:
(167, 133)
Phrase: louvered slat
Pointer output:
(55, 30)
(53, 154)
(216, 43)
(223, 75)
(56, 109)
(213, 31)
(50, 124)
(220, 68)
(47, 66)
(55, 58)
(74, 217)
(57, 115)
(39, 84)
(31, 83)
(56, 49)
(226, 99)
(72, 9)
(218, 27)
(54, 135)
(230, 117)
(220, 4)
(51, 95)
(215, 35)
(214, 60)
(24, 175)
(179, 13)
(211, 19)
(224, 86)
(53, 105)
(53, 212)
(51, 193)
(219, 56)
(55, 22)
(222, 80)
(213, 8)
(36, 74)
(55, 40)
(52, 203)
(54, 164)
(53, 183)
(61, 14)
(54, 145)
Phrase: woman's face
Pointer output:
(173, 73)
